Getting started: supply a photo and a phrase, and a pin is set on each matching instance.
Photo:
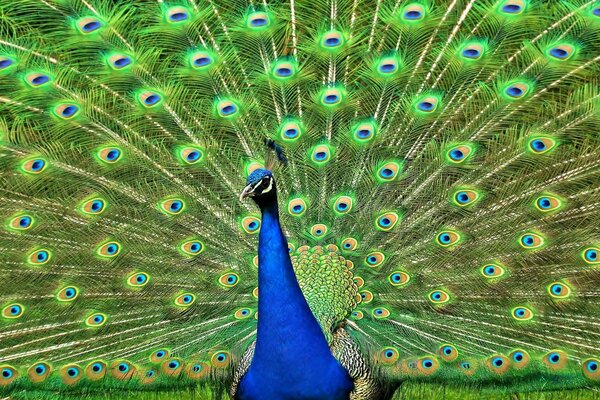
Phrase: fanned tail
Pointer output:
(448, 149)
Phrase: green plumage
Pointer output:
(448, 149)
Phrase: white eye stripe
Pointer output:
(268, 189)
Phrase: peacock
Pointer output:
(298, 199)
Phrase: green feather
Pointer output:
(128, 129)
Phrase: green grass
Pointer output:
(409, 391)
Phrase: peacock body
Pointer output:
(434, 216)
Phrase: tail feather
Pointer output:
(447, 148)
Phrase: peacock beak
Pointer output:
(247, 192)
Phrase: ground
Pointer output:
(410, 391)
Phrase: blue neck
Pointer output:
(291, 359)
(288, 332)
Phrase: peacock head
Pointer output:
(260, 185)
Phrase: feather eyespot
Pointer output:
(93, 206)
(318, 231)
(458, 154)
(138, 279)
(7, 375)
(150, 98)
(389, 355)
(448, 238)
(387, 221)
(6, 63)
(375, 259)
(68, 293)
(119, 62)
(512, 7)
(253, 166)
(109, 155)
(547, 203)
(559, 290)
(591, 368)
(122, 370)
(37, 79)
(427, 104)
(561, 52)
(357, 315)
(229, 280)
(438, 297)
(541, 144)
(284, 69)
(297, 207)
(148, 377)
(109, 249)
(531, 240)
(201, 60)
(556, 360)
(366, 296)
(498, 364)
(380, 312)
(365, 131)
(590, 255)
(258, 20)
(71, 374)
(159, 355)
(251, 225)
(190, 155)
(291, 129)
(39, 372)
(243, 313)
(399, 278)
(465, 197)
(96, 370)
(427, 365)
(227, 109)
(172, 367)
(467, 367)
(519, 358)
(220, 359)
(96, 320)
(321, 154)
(172, 206)
(349, 244)
(39, 257)
(388, 171)
(491, 271)
(21, 222)
(66, 111)
(522, 313)
(358, 281)
(34, 166)
(88, 25)
(413, 13)
(333, 40)
(448, 352)
(197, 370)
(191, 247)
(332, 97)
(177, 15)
(472, 51)
(13, 311)
(516, 90)
(343, 205)
(185, 300)
(387, 66)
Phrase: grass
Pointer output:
(408, 391)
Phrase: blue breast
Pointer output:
(292, 359)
